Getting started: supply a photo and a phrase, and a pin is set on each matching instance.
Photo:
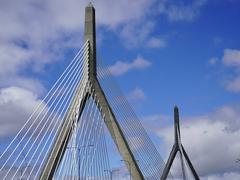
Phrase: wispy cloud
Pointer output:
(121, 67)
(154, 121)
(155, 42)
(213, 61)
(217, 40)
(136, 94)
(28, 83)
(224, 176)
(233, 84)
(231, 57)
(230, 60)
(180, 11)
(140, 34)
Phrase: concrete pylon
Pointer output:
(178, 147)
(111, 122)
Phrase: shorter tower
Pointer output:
(178, 147)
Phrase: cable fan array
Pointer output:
(86, 154)
(148, 158)
(26, 154)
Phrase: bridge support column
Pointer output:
(112, 124)
(178, 147)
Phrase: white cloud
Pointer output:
(210, 140)
(229, 115)
(27, 83)
(225, 176)
(38, 31)
(156, 42)
(121, 11)
(121, 67)
(181, 11)
(233, 85)
(231, 57)
(30, 33)
(213, 61)
(16, 105)
(35, 34)
(13, 58)
(153, 122)
(217, 40)
(30, 38)
(140, 35)
(136, 94)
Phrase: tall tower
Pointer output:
(56, 154)
(178, 147)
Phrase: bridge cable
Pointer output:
(87, 89)
(65, 112)
(104, 74)
(39, 105)
(31, 117)
(55, 115)
(128, 126)
(30, 136)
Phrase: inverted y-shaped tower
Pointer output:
(178, 147)
(111, 122)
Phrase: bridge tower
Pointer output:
(56, 153)
(178, 147)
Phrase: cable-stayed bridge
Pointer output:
(64, 138)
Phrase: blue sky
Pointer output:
(162, 53)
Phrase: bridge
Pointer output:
(64, 138)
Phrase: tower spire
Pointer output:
(90, 35)
(176, 124)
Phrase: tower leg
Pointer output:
(182, 164)
(169, 162)
(116, 133)
(190, 164)
(62, 140)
